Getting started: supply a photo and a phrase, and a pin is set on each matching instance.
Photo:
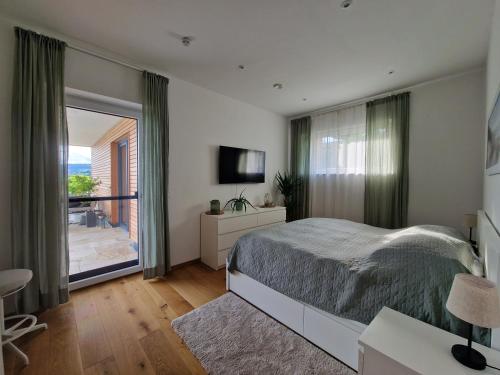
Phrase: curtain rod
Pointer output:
(74, 47)
(103, 57)
(354, 102)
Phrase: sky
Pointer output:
(79, 155)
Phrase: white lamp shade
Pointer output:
(470, 220)
(474, 300)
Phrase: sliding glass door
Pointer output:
(103, 195)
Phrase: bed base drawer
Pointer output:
(331, 335)
(282, 308)
(335, 335)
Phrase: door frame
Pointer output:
(122, 143)
(104, 104)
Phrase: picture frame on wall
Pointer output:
(493, 142)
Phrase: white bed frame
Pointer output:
(335, 335)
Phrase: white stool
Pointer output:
(12, 281)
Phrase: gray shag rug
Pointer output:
(230, 336)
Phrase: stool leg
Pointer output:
(36, 327)
(12, 333)
(18, 352)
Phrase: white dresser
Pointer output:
(220, 232)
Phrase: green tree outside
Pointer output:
(80, 185)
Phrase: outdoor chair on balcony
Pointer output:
(102, 219)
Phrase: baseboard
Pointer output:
(188, 263)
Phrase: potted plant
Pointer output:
(80, 185)
(238, 203)
(287, 183)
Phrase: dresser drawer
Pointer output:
(220, 233)
(222, 256)
(226, 241)
(237, 223)
(271, 217)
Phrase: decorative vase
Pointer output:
(288, 206)
(215, 207)
(268, 201)
(238, 206)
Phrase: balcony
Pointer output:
(98, 246)
(103, 230)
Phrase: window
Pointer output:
(338, 142)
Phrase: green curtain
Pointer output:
(299, 166)
(154, 148)
(39, 170)
(386, 181)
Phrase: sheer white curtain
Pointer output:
(337, 181)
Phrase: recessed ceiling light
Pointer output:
(278, 86)
(346, 4)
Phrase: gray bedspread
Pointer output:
(352, 270)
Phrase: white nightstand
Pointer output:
(396, 344)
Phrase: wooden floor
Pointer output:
(121, 327)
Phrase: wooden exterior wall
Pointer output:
(105, 167)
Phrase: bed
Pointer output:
(326, 279)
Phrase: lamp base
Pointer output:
(469, 357)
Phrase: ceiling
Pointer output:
(86, 127)
(317, 50)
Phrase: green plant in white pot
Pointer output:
(287, 184)
(239, 203)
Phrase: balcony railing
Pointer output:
(97, 199)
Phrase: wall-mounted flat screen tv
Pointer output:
(239, 165)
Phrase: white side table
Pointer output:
(396, 344)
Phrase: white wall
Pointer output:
(446, 149)
(492, 183)
(200, 120)
(89, 73)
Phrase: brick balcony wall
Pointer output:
(104, 162)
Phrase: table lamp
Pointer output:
(475, 300)
(470, 221)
